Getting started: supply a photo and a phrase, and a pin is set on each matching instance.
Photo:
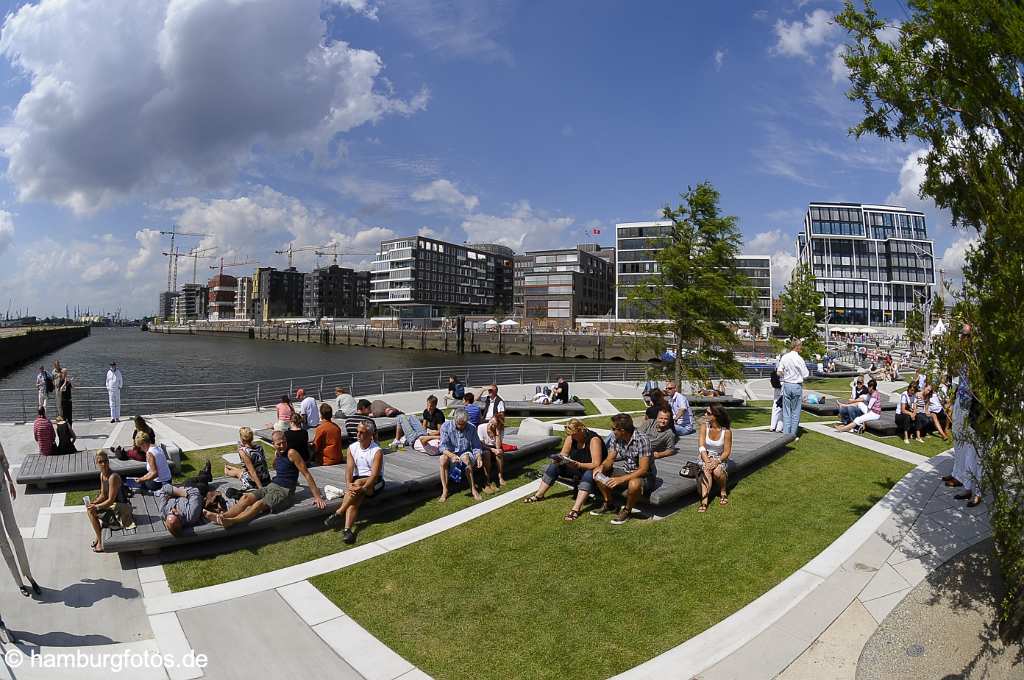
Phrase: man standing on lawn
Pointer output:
(636, 474)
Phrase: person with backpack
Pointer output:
(456, 390)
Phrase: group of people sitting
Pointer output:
(557, 393)
(53, 437)
(625, 461)
(923, 408)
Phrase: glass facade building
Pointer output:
(636, 245)
(872, 263)
(563, 284)
(418, 276)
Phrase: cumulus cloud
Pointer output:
(911, 177)
(445, 192)
(719, 59)
(127, 95)
(836, 66)
(764, 242)
(955, 256)
(363, 7)
(6, 230)
(797, 38)
(523, 228)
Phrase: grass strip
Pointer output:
(932, 445)
(588, 599)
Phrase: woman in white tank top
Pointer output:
(715, 447)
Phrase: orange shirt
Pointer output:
(328, 442)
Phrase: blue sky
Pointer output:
(268, 122)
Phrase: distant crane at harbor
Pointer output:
(173, 255)
(332, 250)
(301, 249)
(232, 264)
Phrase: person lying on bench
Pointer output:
(582, 452)
(180, 507)
(661, 435)
(274, 497)
(364, 476)
(158, 472)
(252, 472)
(633, 450)
(409, 428)
(461, 446)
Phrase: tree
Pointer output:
(801, 309)
(755, 317)
(938, 307)
(952, 81)
(691, 299)
(914, 325)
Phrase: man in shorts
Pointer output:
(632, 450)
(460, 444)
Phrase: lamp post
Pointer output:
(918, 250)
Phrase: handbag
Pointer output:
(690, 470)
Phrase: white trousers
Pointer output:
(11, 536)
(115, 402)
(866, 417)
(42, 397)
(776, 425)
(966, 461)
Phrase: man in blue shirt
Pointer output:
(460, 446)
(682, 415)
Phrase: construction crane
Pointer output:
(232, 264)
(333, 252)
(301, 249)
(173, 254)
(197, 253)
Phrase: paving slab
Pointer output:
(259, 635)
(834, 654)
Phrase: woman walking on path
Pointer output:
(11, 543)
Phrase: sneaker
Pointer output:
(332, 521)
(349, 538)
(622, 516)
(604, 507)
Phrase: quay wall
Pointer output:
(604, 346)
(17, 348)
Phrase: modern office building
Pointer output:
(504, 272)
(166, 310)
(223, 291)
(423, 277)
(335, 292)
(277, 293)
(244, 308)
(637, 243)
(563, 284)
(192, 303)
(872, 263)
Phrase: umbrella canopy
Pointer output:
(939, 329)
(490, 322)
(509, 322)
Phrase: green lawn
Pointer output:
(258, 559)
(628, 405)
(588, 599)
(840, 385)
(191, 463)
(932, 445)
(742, 416)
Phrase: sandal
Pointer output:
(571, 516)
(533, 499)
(724, 500)
(703, 507)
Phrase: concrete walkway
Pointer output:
(811, 625)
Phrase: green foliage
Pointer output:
(915, 325)
(755, 317)
(938, 307)
(692, 297)
(802, 310)
(952, 81)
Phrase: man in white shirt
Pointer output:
(493, 404)
(792, 370)
(114, 384)
(308, 408)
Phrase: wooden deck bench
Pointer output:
(405, 472)
(38, 470)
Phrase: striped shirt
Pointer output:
(352, 425)
(42, 429)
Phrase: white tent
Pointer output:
(490, 322)
(509, 322)
(939, 329)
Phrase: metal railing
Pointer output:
(19, 405)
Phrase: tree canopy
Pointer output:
(802, 310)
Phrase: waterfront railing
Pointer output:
(19, 405)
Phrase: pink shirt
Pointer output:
(284, 411)
(42, 429)
(875, 402)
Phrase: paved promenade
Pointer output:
(812, 625)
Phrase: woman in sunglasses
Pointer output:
(714, 444)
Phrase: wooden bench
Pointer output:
(37, 470)
(405, 473)
(830, 407)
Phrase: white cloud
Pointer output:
(363, 7)
(797, 38)
(720, 58)
(6, 230)
(445, 192)
(911, 177)
(783, 263)
(370, 191)
(125, 96)
(522, 229)
(456, 29)
(836, 66)
(763, 242)
(955, 257)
